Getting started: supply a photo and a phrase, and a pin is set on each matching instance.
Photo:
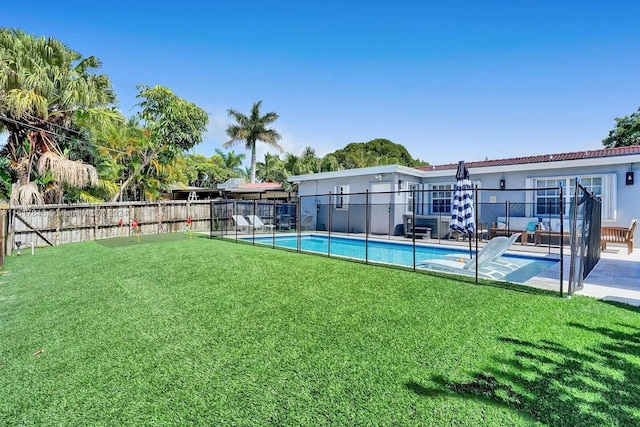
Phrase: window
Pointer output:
(411, 186)
(341, 197)
(547, 202)
(441, 198)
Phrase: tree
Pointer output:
(201, 171)
(626, 132)
(375, 152)
(272, 170)
(233, 162)
(252, 129)
(45, 89)
(171, 126)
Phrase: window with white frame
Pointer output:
(441, 198)
(547, 201)
(341, 196)
(412, 187)
(548, 197)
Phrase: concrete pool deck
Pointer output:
(616, 277)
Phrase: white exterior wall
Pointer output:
(625, 198)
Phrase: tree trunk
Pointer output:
(127, 181)
(252, 178)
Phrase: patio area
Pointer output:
(616, 277)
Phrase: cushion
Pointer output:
(532, 226)
(501, 226)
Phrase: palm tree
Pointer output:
(329, 163)
(45, 88)
(252, 129)
(362, 158)
(233, 162)
(272, 170)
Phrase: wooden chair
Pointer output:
(618, 235)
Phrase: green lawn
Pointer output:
(204, 332)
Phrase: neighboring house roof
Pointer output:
(237, 185)
(544, 158)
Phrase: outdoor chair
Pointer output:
(257, 223)
(241, 222)
(618, 235)
(486, 259)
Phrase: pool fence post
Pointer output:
(274, 221)
(475, 202)
(367, 211)
(561, 242)
(330, 224)
(253, 226)
(299, 224)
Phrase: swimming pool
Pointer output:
(396, 253)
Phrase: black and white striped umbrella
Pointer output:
(462, 214)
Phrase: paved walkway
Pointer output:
(616, 277)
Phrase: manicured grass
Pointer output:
(204, 332)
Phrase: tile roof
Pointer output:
(262, 185)
(544, 158)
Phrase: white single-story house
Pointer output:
(339, 198)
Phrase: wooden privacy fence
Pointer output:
(51, 225)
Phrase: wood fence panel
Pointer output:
(61, 224)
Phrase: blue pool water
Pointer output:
(396, 253)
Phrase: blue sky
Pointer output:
(450, 81)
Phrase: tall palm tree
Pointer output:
(45, 87)
(251, 129)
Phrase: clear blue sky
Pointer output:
(450, 81)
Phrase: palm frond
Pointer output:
(23, 195)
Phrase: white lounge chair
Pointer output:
(257, 223)
(486, 259)
(241, 222)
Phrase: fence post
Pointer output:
(58, 239)
(475, 212)
(367, 222)
(95, 222)
(561, 242)
(413, 224)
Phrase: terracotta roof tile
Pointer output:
(544, 158)
(262, 185)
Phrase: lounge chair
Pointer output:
(241, 222)
(257, 223)
(486, 259)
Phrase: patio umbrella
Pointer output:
(462, 215)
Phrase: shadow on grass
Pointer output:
(630, 304)
(558, 385)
